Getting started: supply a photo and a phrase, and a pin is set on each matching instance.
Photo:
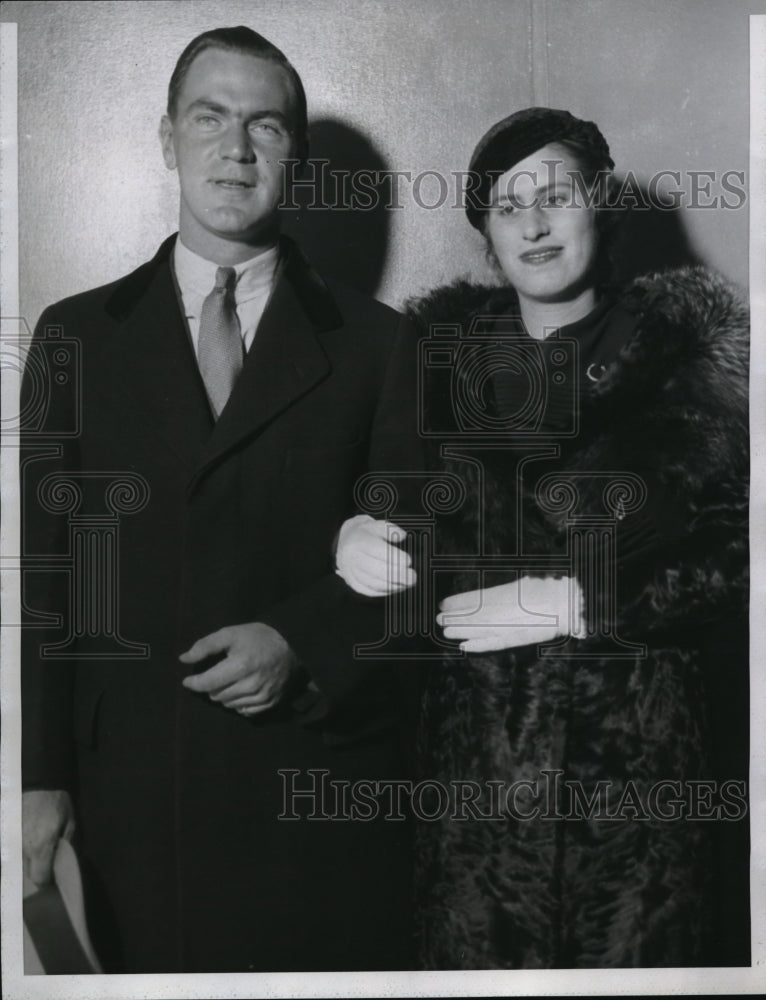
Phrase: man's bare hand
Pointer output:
(46, 816)
(255, 672)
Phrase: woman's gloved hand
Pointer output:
(526, 611)
(368, 557)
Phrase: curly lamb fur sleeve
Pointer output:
(674, 410)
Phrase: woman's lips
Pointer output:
(541, 256)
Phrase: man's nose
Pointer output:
(236, 144)
(535, 223)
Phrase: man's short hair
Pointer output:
(248, 42)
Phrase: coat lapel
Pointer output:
(154, 361)
(285, 361)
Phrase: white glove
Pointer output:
(526, 611)
(369, 560)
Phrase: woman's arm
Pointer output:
(368, 557)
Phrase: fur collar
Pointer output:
(683, 371)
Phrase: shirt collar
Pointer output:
(196, 275)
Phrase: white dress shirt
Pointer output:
(196, 278)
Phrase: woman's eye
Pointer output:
(507, 209)
(554, 201)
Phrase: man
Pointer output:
(240, 398)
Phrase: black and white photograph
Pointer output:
(382, 486)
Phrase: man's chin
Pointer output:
(243, 228)
(234, 223)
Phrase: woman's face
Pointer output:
(541, 229)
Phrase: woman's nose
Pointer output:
(535, 223)
(236, 144)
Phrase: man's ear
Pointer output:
(166, 139)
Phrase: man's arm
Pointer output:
(324, 623)
(48, 770)
(320, 626)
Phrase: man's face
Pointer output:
(235, 121)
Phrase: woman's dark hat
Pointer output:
(515, 138)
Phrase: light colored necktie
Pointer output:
(220, 343)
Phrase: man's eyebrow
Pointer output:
(202, 104)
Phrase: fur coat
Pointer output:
(619, 870)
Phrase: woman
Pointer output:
(607, 664)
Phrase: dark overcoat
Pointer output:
(148, 526)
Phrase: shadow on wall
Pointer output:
(651, 238)
(341, 221)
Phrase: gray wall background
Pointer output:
(391, 85)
